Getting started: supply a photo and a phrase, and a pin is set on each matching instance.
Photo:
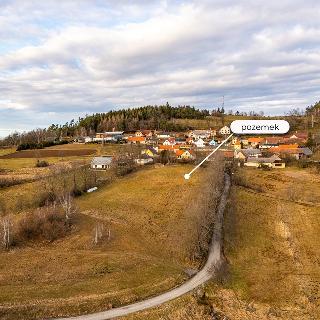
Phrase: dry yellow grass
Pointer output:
(5, 151)
(150, 233)
(271, 244)
(272, 247)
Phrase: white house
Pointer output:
(213, 143)
(163, 135)
(101, 163)
(144, 159)
(201, 134)
(199, 143)
(225, 130)
(111, 136)
(169, 142)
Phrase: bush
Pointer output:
(42, 164)
(303, 163)
(9, 182)
(46, 198)
(242, 181)
(46, 224)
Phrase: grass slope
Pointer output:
(147, 253)
(271, 245)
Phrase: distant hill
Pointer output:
(163, 118)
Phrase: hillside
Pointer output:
(271, 246)
(147, 247)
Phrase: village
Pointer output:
(152, 146)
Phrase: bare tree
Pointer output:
(67, 205)
(203, 207)
(7, 234)
(101, 232)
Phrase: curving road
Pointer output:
(214, 261)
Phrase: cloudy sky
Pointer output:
(63, 59)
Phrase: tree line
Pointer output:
(147, 117)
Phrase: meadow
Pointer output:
(150, 234)
(272, 253)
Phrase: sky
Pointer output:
(63, 59)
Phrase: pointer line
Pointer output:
(188, 175)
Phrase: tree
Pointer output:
(164, 157)
(7, 234)
(67, 205)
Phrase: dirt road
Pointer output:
(213, 263)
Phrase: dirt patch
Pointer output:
(47, 153)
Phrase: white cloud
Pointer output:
(69, 59)
(8, 104)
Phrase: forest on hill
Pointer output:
(163, 118)
(147, 117)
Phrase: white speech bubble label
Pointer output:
(260, 126)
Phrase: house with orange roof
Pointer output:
(170, 147)
(254, 141)
(293, 151)
(184, 155)
(285, 146)
(274, 140)
(137, 140)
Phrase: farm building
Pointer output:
(272, 162)
(101, 163)
(213, 143)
